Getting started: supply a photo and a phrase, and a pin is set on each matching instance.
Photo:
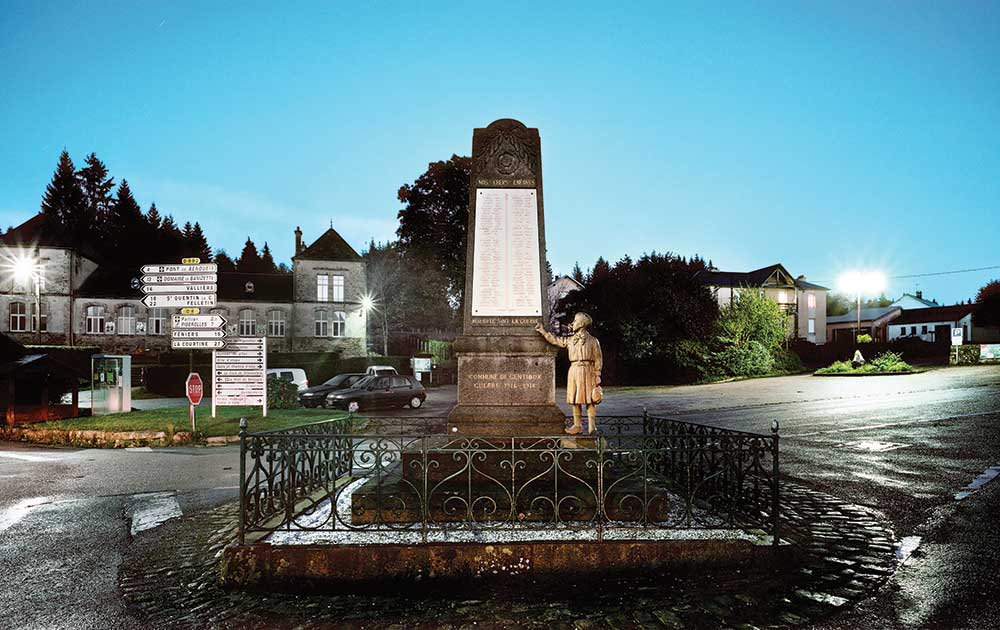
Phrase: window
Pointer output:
(913, 330)
(811, 300)
(339, 323)
(923, 330)
(18, 317)
(43, 317)
(400, 382)
(157, 321)
(338, 288)
(812, 326)
(322, 323)
(782, 297)
(248, 323)
(322, 288)
(126, 320)
(275, 323)
(95, 320)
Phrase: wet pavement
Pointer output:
(900, 446)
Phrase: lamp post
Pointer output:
(858, 283)
(25, 267)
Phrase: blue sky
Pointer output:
(825, 136)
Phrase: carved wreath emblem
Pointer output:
(508, 152)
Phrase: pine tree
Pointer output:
(224, 262)
(129, 232)
(577, 273)
(96, 187)
(266, 260)
(63, 200)
(199, 244)
(154, 219)
(249, 261)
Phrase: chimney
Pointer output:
(920, 294)
(298, 240)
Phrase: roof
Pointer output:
(934, 314)
(266, 287)
(330, 246)
(564, 278)
(918, 299)
(755, 278)
(36, 232)
(867, 315)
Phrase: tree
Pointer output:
(128, 231)
(651, 316)
(249, 261)
(199, 244)
(96, 186)
(577, 273)
(433, 224)
(987, 311)
(267, 260)
(62, 202)
(838, 304)
(154, 219)
(224, 262)
(753, 317)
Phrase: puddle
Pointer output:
(153, 509)
(871, 446)
(906, 547)
(987, 476)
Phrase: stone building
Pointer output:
(315, 308)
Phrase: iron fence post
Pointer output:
(775, 503)
(243, 479)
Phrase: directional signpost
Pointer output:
(190, 285)
(239, 373)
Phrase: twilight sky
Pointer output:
(825, 136)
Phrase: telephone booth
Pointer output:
(110, 383)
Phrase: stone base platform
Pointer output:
(308, 567)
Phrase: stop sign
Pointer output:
(195, 388)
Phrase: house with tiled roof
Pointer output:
(803, 300)
(85, 301)
(934, 324)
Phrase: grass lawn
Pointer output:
(176, 419)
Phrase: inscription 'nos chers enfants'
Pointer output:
(500, 380)
(505, 183)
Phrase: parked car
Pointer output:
(373, 392)
(381, 370)
(292, 375)
(316, 396)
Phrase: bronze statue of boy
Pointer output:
(584, 379)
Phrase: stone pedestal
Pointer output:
(506, 387)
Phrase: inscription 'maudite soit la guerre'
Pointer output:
(501, 380)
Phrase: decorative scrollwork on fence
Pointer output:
(641, 473)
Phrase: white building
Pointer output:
(933, 324)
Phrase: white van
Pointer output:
(381, 370)
(292, 375)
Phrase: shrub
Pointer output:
(753, 317)
(282, 394)
(967, 355)
(865, 338)
(837, 367)
(691, 361)
(787, 361)
(890, 361)
(753, 359)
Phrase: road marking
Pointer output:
(987, 476)
(139, 449)
(871, 445)
(26, 457)
(19, 510)
(152, 509)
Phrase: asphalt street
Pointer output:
(904, 445)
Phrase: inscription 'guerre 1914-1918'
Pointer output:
(506, 373)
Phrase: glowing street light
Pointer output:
(861, 283)
(24, 267)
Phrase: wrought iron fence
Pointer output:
(641, 476)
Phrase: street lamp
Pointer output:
(24, 267)
(858, 283)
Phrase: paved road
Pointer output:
(904, 445)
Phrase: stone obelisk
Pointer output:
(506, 371)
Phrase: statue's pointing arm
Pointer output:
(555, 341)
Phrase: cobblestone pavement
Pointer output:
(169, 578)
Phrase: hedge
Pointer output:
(968, 354)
